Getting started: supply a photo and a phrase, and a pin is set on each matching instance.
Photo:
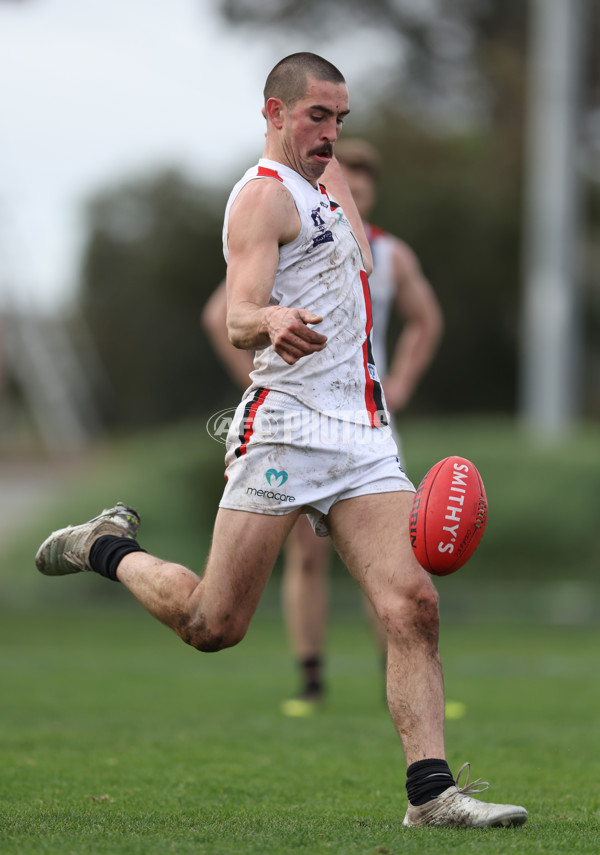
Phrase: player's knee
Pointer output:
(212, 637)
(413, 612)
(214, 641)
(311, 565)
(426, 611)
(307, 560)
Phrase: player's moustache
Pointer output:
(326, 149)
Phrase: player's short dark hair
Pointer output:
(287, 80)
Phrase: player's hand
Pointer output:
(290, 334)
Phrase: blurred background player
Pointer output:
(397, 283)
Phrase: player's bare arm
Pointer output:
(263, 218)
(423, 325)
(337, 188)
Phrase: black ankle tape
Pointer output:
(426, 779)
(107, 551)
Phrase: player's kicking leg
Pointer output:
(209, 612)
(371, 534)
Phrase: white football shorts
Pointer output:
(282, 456)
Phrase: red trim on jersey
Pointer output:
(374, 419)
(265, 172)
(249, 422)
(324, 191)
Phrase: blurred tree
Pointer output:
(152, 257)
(456, 202)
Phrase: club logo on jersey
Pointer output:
(275, 478)
(323, 234)
(317, 218)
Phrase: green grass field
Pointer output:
(117, 738)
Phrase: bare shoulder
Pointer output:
(265, 206)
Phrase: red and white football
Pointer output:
(448, 516)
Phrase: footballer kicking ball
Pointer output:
(448, 516)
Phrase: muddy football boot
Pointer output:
(68, 549)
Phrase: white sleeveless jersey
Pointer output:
(320, 270)
(383, 290)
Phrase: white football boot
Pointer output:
(455, 807)
(68, 549)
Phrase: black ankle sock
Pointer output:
(426, 779)
(312, 676)
(108, 550)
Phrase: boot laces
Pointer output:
(477, 786)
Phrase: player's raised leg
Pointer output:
(212, 612)
(209, 612)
